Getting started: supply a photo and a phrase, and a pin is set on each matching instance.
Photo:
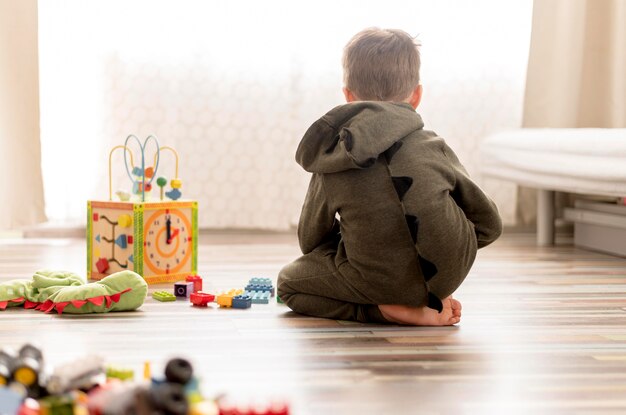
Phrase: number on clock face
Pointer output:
(167, 241)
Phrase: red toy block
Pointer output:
(197, 282)
(29, 407)
(129, 239)
(102, 265)
(274, 409)
(201, 299)
(95, 217)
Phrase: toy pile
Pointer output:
(257, 291)
(86, 387)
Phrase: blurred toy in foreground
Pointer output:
(166, 396)
(22, 370)
(81, 387)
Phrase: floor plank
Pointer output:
(543, 331)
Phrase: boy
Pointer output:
(391, 221)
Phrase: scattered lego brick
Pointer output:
(242, 301)
(120, 373)
(197, 282)
(226, 299)
(261, 284)
(259, 297)
(183, 289)
(163, 296)
(201, 299)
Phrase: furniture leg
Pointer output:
(545, 217)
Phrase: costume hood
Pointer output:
(352, 136)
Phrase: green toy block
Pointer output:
(57, 405)
(120, 373)
(163, 296)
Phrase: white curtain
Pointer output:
(22, 202)
(577, 65)
(234, 85)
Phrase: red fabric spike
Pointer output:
(96, 300)
(108, 301)
(5, 304)
(29, 304)
(78, 303)
(47, 307)
(116, 297)
(61, 306)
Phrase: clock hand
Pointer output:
(174, 235)
(168, 229)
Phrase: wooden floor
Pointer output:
(543, 332)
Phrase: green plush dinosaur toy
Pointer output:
(66, 292)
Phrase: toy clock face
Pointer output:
(168, 241)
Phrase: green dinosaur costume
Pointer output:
(66, 292)
(409, 222)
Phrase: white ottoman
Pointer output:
(576, 160)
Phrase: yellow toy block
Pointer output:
(226, 299)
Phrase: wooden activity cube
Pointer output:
(157, 240)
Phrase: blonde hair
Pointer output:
(381, 65)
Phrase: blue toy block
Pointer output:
(183, 289)
(261, 281)
(259, 297)
(242, 301)
(261, 284)
(256, 287)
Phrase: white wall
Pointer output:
(233, 86)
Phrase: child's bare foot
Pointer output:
(423, 316)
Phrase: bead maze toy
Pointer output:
(155, 238)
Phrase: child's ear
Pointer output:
(349, 95)
(416, 96)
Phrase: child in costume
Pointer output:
(391, 221)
